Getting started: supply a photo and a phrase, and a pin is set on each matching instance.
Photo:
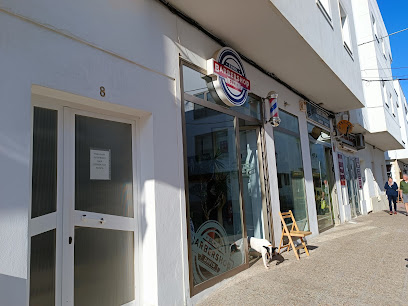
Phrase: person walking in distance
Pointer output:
(404, 192)
(391, 189)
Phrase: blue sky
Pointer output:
(395, 13)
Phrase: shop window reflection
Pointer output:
(213, 192)
(251, 184)
(323, 174)
(291, 183)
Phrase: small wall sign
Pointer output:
(317, 115)
(228, 77)
(344, 127)
(100, 164)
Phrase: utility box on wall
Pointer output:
(360, 142)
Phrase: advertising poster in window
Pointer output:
(358, 169)
(341, 170)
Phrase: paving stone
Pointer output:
(357, 263)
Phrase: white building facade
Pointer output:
(397, 160)
(126, 175)
(379, 120)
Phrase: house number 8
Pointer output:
(102, 91)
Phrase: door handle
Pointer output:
(85, 218)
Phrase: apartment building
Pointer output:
(397, 160)
(378, 121)
(135, 149)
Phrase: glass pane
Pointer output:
(214, 194)
(195, 84)
(42, 269)
(44, 176)
(252, 107)
(289, 122)
(352, 185)
(322, 171)
(104, 267)
(103, 166)
(251, 183)
(291, 182)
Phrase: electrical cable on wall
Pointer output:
(384, 68)
(382, 37)
(382, 80)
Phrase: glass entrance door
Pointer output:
(99, 215)
(352, 186)
(251, 181)
(356, 195)
(323, 174)
(289, 164)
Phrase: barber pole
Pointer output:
(271, 109)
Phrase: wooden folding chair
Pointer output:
(293, 232)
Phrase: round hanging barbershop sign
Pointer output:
(229, 81)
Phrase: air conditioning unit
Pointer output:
(360, 143)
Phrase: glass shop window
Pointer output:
(213, 193)
(291, 182)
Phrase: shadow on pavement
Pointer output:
(278, 258)
(311, 247)
(402, 212)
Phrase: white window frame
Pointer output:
(375, 30)
(325, 8)
(50, 221)
(73, 218)
(383, 48)
(345, 26)
(392, 105)
(396, 101)
(62, 220)
(384, 93)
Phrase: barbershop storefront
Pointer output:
(227, 185)
(224, 176)
(85, 200)
(133, 174)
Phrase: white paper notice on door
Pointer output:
(100, 163)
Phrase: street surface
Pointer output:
(358, 263)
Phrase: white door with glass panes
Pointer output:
(90, 237)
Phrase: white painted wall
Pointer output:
(403, 123)
(32, 54)
(326, 37)
(374, 170)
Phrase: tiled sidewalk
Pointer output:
(357, 263)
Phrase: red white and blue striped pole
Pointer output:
(271, 109)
